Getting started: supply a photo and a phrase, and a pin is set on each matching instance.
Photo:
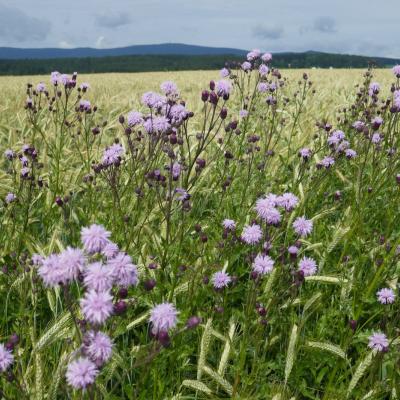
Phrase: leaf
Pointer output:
(330, 348)
(291, 352)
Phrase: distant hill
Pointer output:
(163, 57)
(11, 53)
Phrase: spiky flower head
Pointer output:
(386, 296)
(6, 358)
(303, 226)
(263, 264)
(221, 279)
(97, 306)
(251, 234)
(81, 373)
(163, 317)
(94, 238)
(378, 341)
(308, 266)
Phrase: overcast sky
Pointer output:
(345, 26)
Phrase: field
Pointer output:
(241, 244)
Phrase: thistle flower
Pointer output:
(302, 226)
(157, 125)
(378, 341)
(51, 271)
(110, 250)
(305, 153)
(97, 306)
(396, 71)
(266, 57)
(40, 87)
(376, 138)
(374, 88)
(246, 66)
(9, 154)
(6, 358)
(224, 73)
(308, 266)
(98, 347)
(169, 88)
(85, 105)
(177, 114)
(263, 87)
(359, 126)
(386, 296)
(263, 70)
(153, 100)
(263, 264)
(327, 161)
(251, 234)
(84, 86)
(253, 55)
(267, 212)
(229, 224)
(221, 279)
(98, 277)
(94, 238)
(112, 154)
(37, 259)
(54, 77)
(163, 317)
(124, 271)
(350, 153)
(81, 373)
(134, 118)
(72, 262)
(243, 113)
(10, 197)
(223, 87)
(288, 201)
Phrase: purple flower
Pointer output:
(37, 259)
(308, 266)
(163, 317)
(263, 87)
(396, 71)
(84, 86)
(267, 212)
(177, 114)
(251, 234)
(359, 126)
(97, 306)
(112, 154)
(253, 55)
(350, 153)
(302, 226)
(243, 113)
(10, 197)
(305, 153)
(263, 264)
(85, 105)
(51, 271)
(124, 271)
(94, 238)
(176, 170)
(98, 347)
(98, 277)
(229, 224)
(266, 57)
(81, 373)
(288, 201)
(223, 87)
(169, 88)
(135, 118)
(386, 296)
(72, 262)
(221, 279)
(55, 77)
(224, 73)
(153, 100)
(374, 88)
(183, 194)
(378, 341)
(327, 161)
(263, 70)
(6, 358)
(246, 66)
(9, 154)
(333, 139)
(40, 87)
(377, 122)
(64, 79)
(376, 138)
(110, 250)
(157, 125)
(293, 250)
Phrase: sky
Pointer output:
(340, 26)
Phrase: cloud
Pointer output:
(17, 26)
(101, 42)
(268, 32)
(113, 20)
(325, 25)
(63, 44)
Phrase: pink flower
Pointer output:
(378, 341)
(98, 277)
(98, 347)
(124, 271)
(302, 226)
(308, 266)
(386, 296)
(51, 271)
(6, 358)
(163, 317)
(221, 279)
(94, 238)
(251, 234)
(72, 262)
(263, 264)
(97, 306)
(81, 373)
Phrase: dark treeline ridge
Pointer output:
(148, 63)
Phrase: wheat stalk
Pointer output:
(227, 348)
(204, 345)
(291, 352)
(197, 385)
(363, 366)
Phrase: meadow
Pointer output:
(200, 235)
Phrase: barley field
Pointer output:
(200, 235)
